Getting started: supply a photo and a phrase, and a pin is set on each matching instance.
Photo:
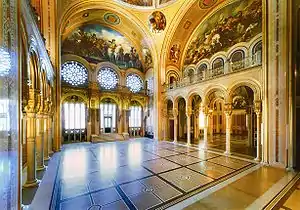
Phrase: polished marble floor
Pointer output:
(217, 142)
(137, 174)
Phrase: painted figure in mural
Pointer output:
(175, 53)
(112, 48)
(157, 22)
(229, 30)
(148, 58)
(95, 44)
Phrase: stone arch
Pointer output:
(176, 100)
(220, 92)
(82, 96)
(248, 83)
(172, 73)
(192, 94)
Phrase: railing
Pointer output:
(228, 68)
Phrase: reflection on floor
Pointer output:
(217, 142)
(243, 192)
(137, 174)
(293, 201)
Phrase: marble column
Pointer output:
(228, 113)
(46, 143)
(49, 133)
(175, 115)
(188, 124)
(205, 130)
(249, 127)
(165, 118)
(40, 142)
(258, 120)
(31, 150)
(125, 120)
(196, 123)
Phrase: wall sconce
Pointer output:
(5, 62)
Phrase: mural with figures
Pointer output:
(97, 43)
(235, 23)
(140, 2)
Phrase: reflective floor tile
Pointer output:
(133, 188)
(72, 189)
(118, 205)
(229, 162)
(160, 165)
(186, 179)
(211, 169)
(104, 197)
(82, 202)
(164, 152)
(160, 188)
(183, 149)
(183, 159)
(127, 174)
(98, 181)
(203, 154)
(145, 200)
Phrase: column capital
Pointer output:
(165, 112)
(228, 109)
(175, 112)
(257, 107)
(189, 111)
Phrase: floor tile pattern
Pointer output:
(136, 174)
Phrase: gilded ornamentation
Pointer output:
(112, 18)
(205, 4)
(175, 53)
(157, 22)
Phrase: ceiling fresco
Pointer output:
(139, 2)
(235, 23)
(97, 43)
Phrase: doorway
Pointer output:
(107, 124)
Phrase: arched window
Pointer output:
(217, 67)
(237, 60)
(237, 56)
(135, 119)
(74, 119)
(134, 83)
(257, 54)
(107, 78)
(218, 63)
(108, 113)
(202, 67)
(74, 73)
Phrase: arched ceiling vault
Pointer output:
(129, 25)
(182, 29)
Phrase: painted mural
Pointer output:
(97, 43)
(140, 2)
(235, 23)
(164, 1)
(157, 22)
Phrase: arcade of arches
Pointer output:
(149, 104)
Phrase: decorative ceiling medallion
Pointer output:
(205, 4)
(157, 22)
(112, 18)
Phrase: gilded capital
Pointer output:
(257, 107)
(175, 112)
(228, 109)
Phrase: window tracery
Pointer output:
(134, 83)
(107, 78)
(74, 73)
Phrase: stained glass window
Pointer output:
(134, 83)
(107, 78)
(74, 73)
